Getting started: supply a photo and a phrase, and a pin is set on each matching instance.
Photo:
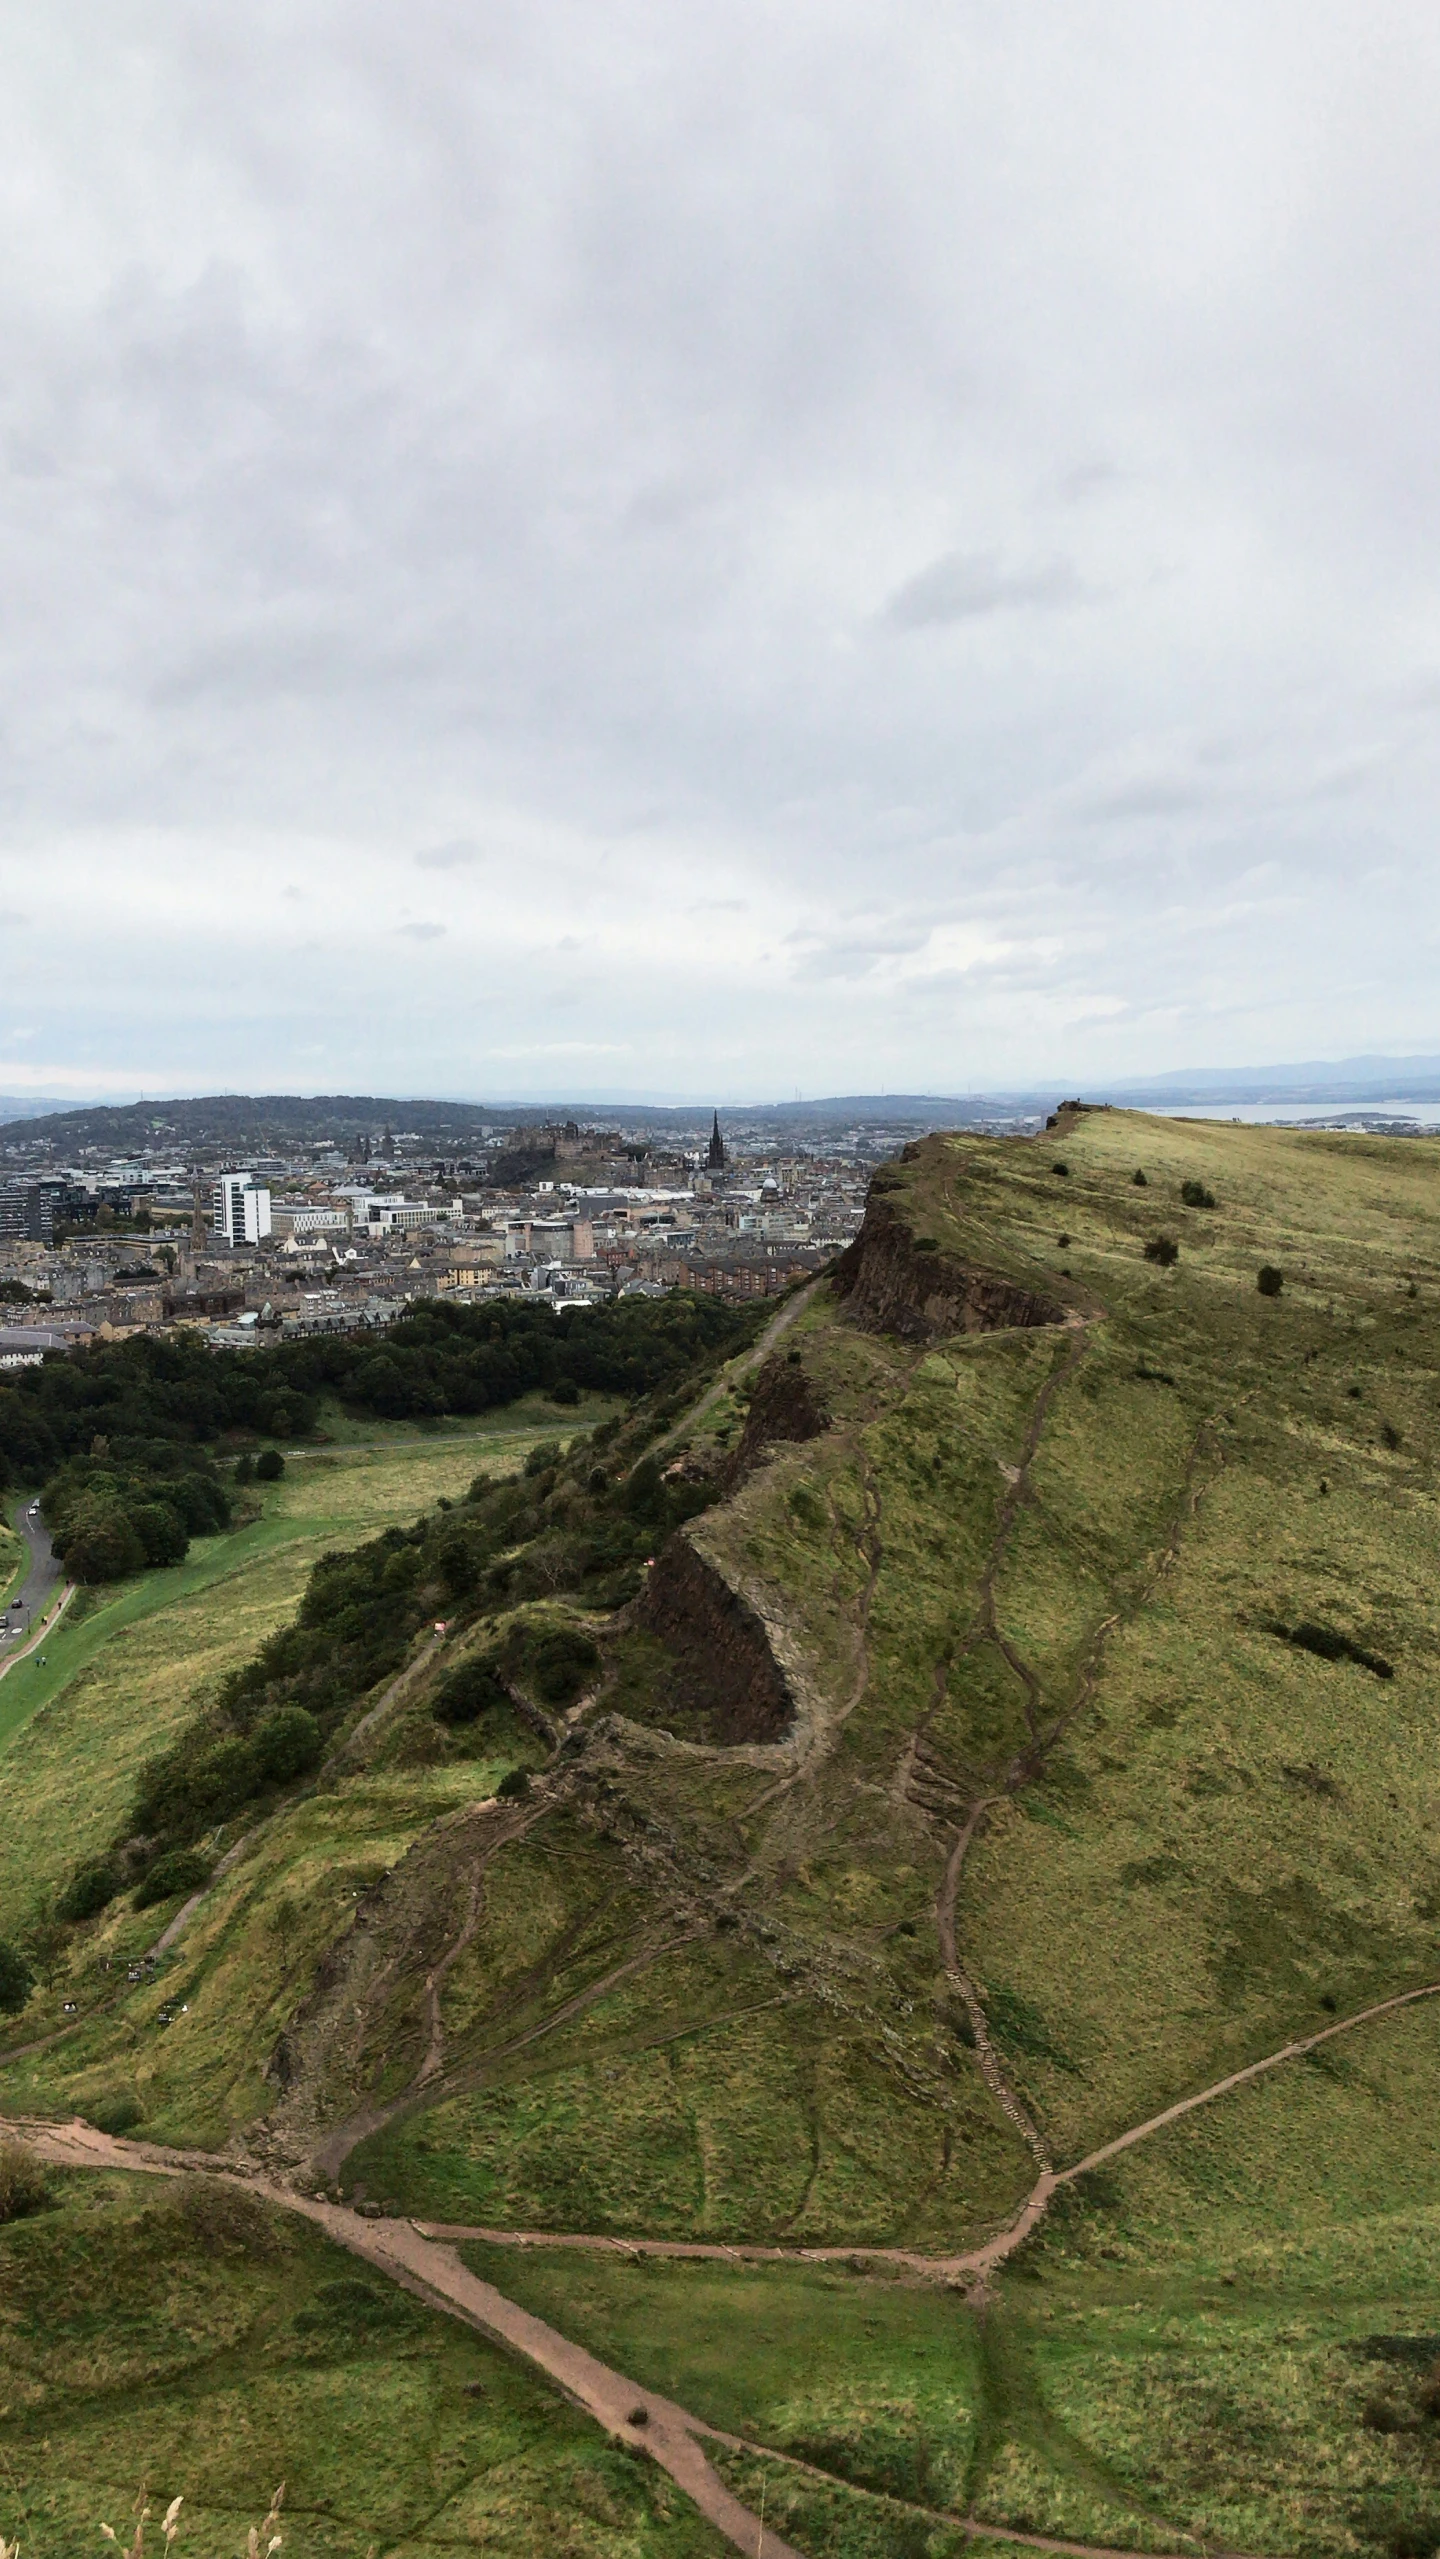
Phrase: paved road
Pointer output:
(45, 1568)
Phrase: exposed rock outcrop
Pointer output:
(727, 1680)
(893, 1284)
(783, 1406)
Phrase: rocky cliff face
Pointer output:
(729, 1686)
(783, 1406)
(894, 1285)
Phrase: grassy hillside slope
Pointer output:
(1035, 1723)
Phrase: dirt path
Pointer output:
(965, 2264)
(737, 1369)
(435, 2273)
(416, 2257)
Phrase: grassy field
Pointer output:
(194, 2341)
(124, 1668)
(1113, 1649)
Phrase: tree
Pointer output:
(105, 1549)
(1268, 1280)
(161, 1532)
(287, 1743)
(269, 1466)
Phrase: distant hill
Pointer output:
(234, 1121)
(248, 1120)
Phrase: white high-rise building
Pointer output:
(241, 1208)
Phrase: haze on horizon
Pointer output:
(558, 552)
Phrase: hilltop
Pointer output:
(1021, 1720)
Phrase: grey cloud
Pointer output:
(962, 586)
(448, 857)
(1143, 798)
(454, 429)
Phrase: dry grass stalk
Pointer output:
(169, 2526)
(261, 2542)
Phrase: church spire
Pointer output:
(715, 1159)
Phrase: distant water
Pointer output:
(1361, 1116)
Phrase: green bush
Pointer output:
(16, 1979)
(1195, 1195)
(565, 1392)
(514, 1783)
(162, 1533)
(469, 1691)
(1141, 1180)
(644, 1495)
(245, 1468)
(562, 1663)
(182, 1870)
(1164, 1250)
(115, 2110)
(106, 1550)
(269, 1466)
(1268, 1280)
(88, 1893)
(286, 1744)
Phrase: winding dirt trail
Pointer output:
(738, 1368)
(417, 2257)
(963, 2264)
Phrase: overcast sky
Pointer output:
(666, 550)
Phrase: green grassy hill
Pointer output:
(1031, 1721)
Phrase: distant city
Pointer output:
(257, 1218)
(322, 1233)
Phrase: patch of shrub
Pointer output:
(286, 1744)
(645, 1491)
(269, 1466)
(468, 1692)
(1162, 1249)
(1269, 1280)
(1389, 1435)
(181, 1870)
(163, 1535)
(88, 1893)
(1062, 1241)
(107, 1550)
(1060, 1168)
(245, 1468)
(115, 2111)
(22, 2181)
(1195, 1195)
(562, 1662)
(514, 1784)
(1140, 1180)
(564, 1391)
(16, 1979)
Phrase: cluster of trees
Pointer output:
(582, 1522)
(109, 1516)
(438, 1359)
